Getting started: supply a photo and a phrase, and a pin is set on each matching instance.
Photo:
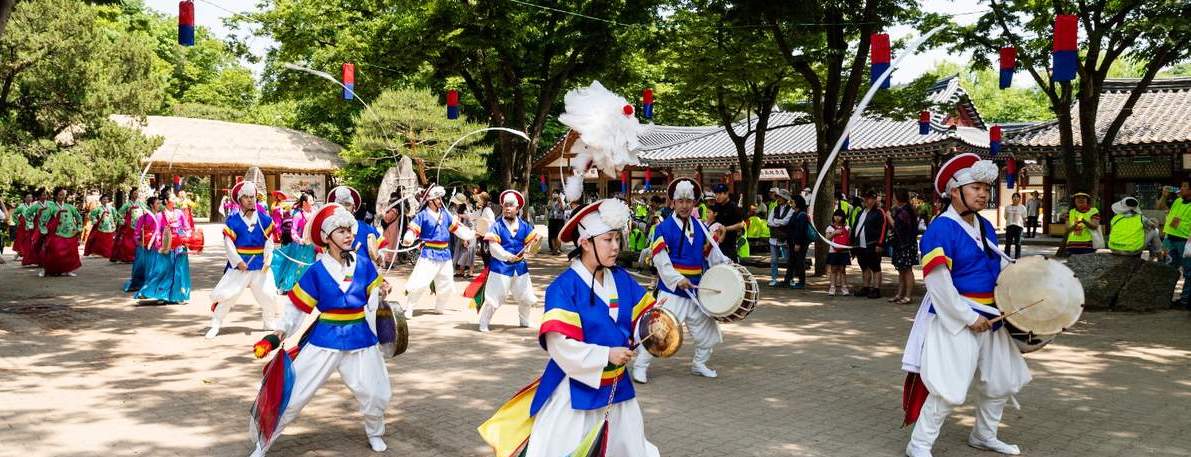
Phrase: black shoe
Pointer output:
(874, 293)
(1178, 304)
(861, 292)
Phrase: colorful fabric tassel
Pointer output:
(452, 104)
(1065, 54)
(1008, 66)
(647, 103)
(186, 23)
(507, 431)
(475, 290)
(879, 56)
(923, 122)
(349, 81)
(272, 399)
(994, 140)
(595, 443)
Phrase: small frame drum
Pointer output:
(728, 292)
(391, 331)
(660, 332)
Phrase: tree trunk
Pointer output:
(5, 10)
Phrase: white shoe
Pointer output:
(214, 329)
(702, 370)
(993, 444)
(484, 328)
(831, 291)
(41, 274)
(72, 274)
(638, 375)
(377, 444)
(409, 312)
(524, 324)
(845, 292)
(915, 452)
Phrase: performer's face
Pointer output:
(341, 237)
(974, 197)
(604, 248)
(683, 207)
(247, 203)
(509, 210)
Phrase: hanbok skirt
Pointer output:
(140, 269)
(33, 247)
(168, 278)
(60, 255)
(18, 242)
(124, 248)
(100, 244)
(287, 272)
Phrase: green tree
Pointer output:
(996, 105)
(409, 122)
(1152, 34)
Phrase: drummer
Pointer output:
(682, 250)
(952, 338)
(509, 240)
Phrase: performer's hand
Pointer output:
(242, 266)
(620, 356)
(385, 288)
(684, 284)
(981, 324)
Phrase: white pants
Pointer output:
(704, 330)
(232, 284)
(558, 428)
(425, 271)
(362, 370)
(494, 294)
(950, 362)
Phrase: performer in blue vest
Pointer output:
(248, 240)
(682, 250)
(346, 291)
(591, 311)
(433, 225)
(952, 338)
(368, 239)
(508, 272)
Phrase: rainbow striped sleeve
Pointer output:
(229, 233)
(531, 237)
(375, 283)
(658, 246)
(611, 374)
(933, 259)
(302, 299)
(492, 237)
(454, 225)
(645, 304)
(562, 321)
(269, 229)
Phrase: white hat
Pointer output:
(512, 197)
(1125, 205)
(330, 217)
(595, 219)
(244, 189)
(964, 169)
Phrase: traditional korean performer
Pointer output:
(248, 240)
(508, 271)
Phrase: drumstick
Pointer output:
(1003, 316)
(706, 288)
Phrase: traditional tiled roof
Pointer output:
(1160, 119)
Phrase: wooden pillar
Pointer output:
(806, 173)
(730, 177)
(213, 192)
(845, 176)
(934, 171)
(699, 178)
(889, 183)
(1048, 193)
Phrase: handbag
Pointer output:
(1097, 239)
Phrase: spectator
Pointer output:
(1127, 231)
(905, 246)
(838, 258)
(1033, 206)
(798, 239)
(555, 217)
(1082, 220)
(779, 217)
(1014, 224)
(868, 240)
(727, 214)
(1178, 227)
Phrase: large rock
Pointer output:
(1123, 283)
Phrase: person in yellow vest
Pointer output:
(1082, 220)
(1177, 229)
(1127, 232)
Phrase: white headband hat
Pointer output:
(436, 192)
(331, 217)
(684, 190)
(612, 215)
(964, 169)
(246, 189)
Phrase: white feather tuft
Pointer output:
(614, 213)
(574, 188)
(610, 138)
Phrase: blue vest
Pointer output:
(973, 271)
(570, 301)
(341, 324)
(436, 236)
(249, 241)
(687, 256)
(513, 244)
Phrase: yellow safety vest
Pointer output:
(1128, 233)
(1182, 211)
(1074, 216)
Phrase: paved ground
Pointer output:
(84, 370)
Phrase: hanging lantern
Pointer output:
(994, 140)
(1065, 55)
(349, 81)
(186, 23)
(452, 104)
(847, 140)
(1010, 172)
(542, 183)
(879, 57)
(1008, 65)
(624, 181)
(647, 103)
(648, 178)
(923, 122)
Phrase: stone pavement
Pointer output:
(84, 370)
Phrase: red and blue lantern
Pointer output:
(542, 183)
(923, 122)
(1065, 54)
(1008, 65)
(186, 23)
(647, 103)
(349, 81)
(994, 140)
(1010, 172)
(648, 178)
(452, 104)
(879, 56)
(847, 140)
(624, 181)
